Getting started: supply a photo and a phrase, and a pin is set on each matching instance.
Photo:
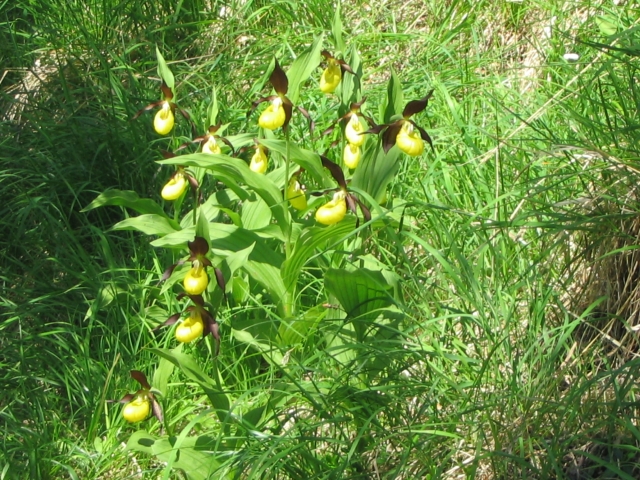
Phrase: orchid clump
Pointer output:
(265, 230)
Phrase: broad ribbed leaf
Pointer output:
(295, 330)
(255, 214)
(376, 170)
(232, 172)
(213, 111)
(270, 353)
(308, 242)
(307, 159)
(263, 264)
(188, 365)
(359, 291)
(202, 233)
(149, 224)
(126, 198)
(395, 98)
(302, 68)
(163, 372)
(164, 71)
(194, 455)
(336, 29)
(351, 83)
(233, 262)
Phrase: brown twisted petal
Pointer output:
(416, 106)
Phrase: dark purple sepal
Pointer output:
(335, 170)
(279, 80)
(141, 378)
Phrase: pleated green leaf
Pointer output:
(307, 159)
(149, 224)
(359, 291)
(233, 172)
(189, 366)
(193, 455)
(302, 68)
(126, 198)
(164, 71)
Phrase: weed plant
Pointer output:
(491, 363)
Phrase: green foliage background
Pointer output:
(502, 366)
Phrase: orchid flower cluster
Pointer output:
(198, 319)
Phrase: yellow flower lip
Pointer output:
(353, 131)
(211, 146)
(191, 328)
(273, 116)
(196, 280)
(164, 120)
(330, 78)
(351, 155)
(175, 187)
(259, 161)
(137, 409)
(333, 211)
(296, 196)
(409, 141)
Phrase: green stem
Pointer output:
(290, 293)
(287, 244)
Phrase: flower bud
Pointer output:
(137, 409)
(175, 187)
(331, 77)
(196, 280)
(211, 146)
(409, 141)
(333, 211)
(351, 155)
(353, 130)
(164, 119)
(259, 161)
(191, 328)
(295, 195)
(273, 116)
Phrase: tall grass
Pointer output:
(486, 375)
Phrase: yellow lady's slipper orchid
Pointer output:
(409, 141)
(295, 195)
(138, 405)
(191, 328)
(164, 120)
(196, 280)
(138, 409)
(211, 146)
(259, 161)
(273, 116)
(351, 156)
(333, 211)
(175, 187)
(353, 131)
(331, 77)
